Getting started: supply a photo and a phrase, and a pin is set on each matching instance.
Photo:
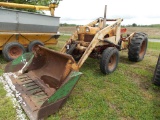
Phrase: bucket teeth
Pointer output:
(30, 84)
(33, 88)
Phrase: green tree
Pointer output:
(32, 2)
(134, 25)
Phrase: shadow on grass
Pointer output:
(125, 60)
(91, 69)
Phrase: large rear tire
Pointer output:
(109, 60)
(156, 78)
(137, 47)
(34, 44)
(13, 50)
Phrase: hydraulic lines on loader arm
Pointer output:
(99, 37)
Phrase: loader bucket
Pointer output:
(44, 81)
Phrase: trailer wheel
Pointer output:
(33, 45)
(13, 50)
(137, 47)
(109, 60)
(156, 78)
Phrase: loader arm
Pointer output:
(74, 36)
(100, 37)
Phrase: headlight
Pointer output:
(78, 28)
(87, 29)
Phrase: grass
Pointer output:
(154, 46)
(128, 93)
(152, 32)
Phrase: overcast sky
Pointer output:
(142, 12)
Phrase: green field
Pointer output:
(126, 94)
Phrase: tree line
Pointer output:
(32, 2)
(132, 25)
(136, 25)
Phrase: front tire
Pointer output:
(109, 60)
(137, 47)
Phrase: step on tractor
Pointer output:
(44, 79)
(156, 77)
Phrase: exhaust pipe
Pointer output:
(104, 20)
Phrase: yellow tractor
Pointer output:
(99, 40)
(44, 79)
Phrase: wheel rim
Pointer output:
(143, 49)
(15, 52)
(112, 62)
(34, 47)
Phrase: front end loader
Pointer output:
(98, 40)
(41, 81)
(44, 79)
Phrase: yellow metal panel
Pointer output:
(91, 30)
(26, 38)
